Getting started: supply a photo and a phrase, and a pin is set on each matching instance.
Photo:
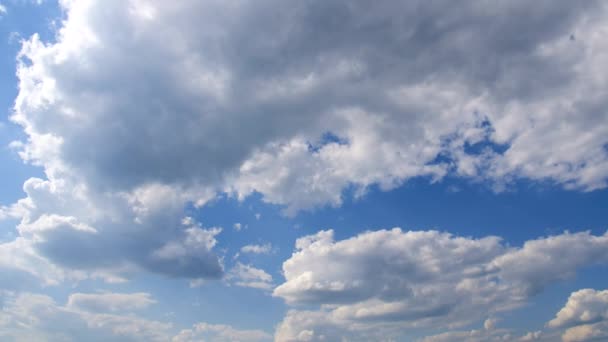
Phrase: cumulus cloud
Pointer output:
(392, 279)
(583, 306)
(257, 249)
(76, 229)
(35, 317)
(220, 333)
(249, 276)
(83, 99)
(585, 316)
(296, 102)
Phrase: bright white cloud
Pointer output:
(391, 279)
(249, 276)
(585, 316)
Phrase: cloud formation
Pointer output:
(84, 99)
(297, 103)
(585, 316)
(249, 276)
(35, 317)
(393, 279)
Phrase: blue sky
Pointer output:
(308, 171)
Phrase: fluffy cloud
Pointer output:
(391, 279)
(585, 316)
(249, 276)
(220, 333)
(112, 235)
(296, 102)
(583, 306)
(84, 100)
(34, 317)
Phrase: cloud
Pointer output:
(109, 302)
(220, 333)
(35, 317)
(585, 316)
(488, 333)
(390, 280)
(279, 100)
(257, 249)
(583, 306)
(586, 332)
(249, 276)
(2, 9)
(83, 99)
(75, 229)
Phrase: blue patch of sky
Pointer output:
(326, 139)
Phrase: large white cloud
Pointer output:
(391, 280)
(140, 107)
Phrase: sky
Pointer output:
(303, 170)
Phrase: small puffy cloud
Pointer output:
(249, 276)
(257, 249)
(583, 306)
(586, 333)
(237, 226)
(585, 316)
(423, 278)
(109, 302)
(2, 10)
(220, 333)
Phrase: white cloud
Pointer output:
(257, 249)
(585, 316)
(2, 9)
(586, 332)
(34, 317)
(220, 333)
(249, 276)
(273, 98)
(237, 226)
(393, 280)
